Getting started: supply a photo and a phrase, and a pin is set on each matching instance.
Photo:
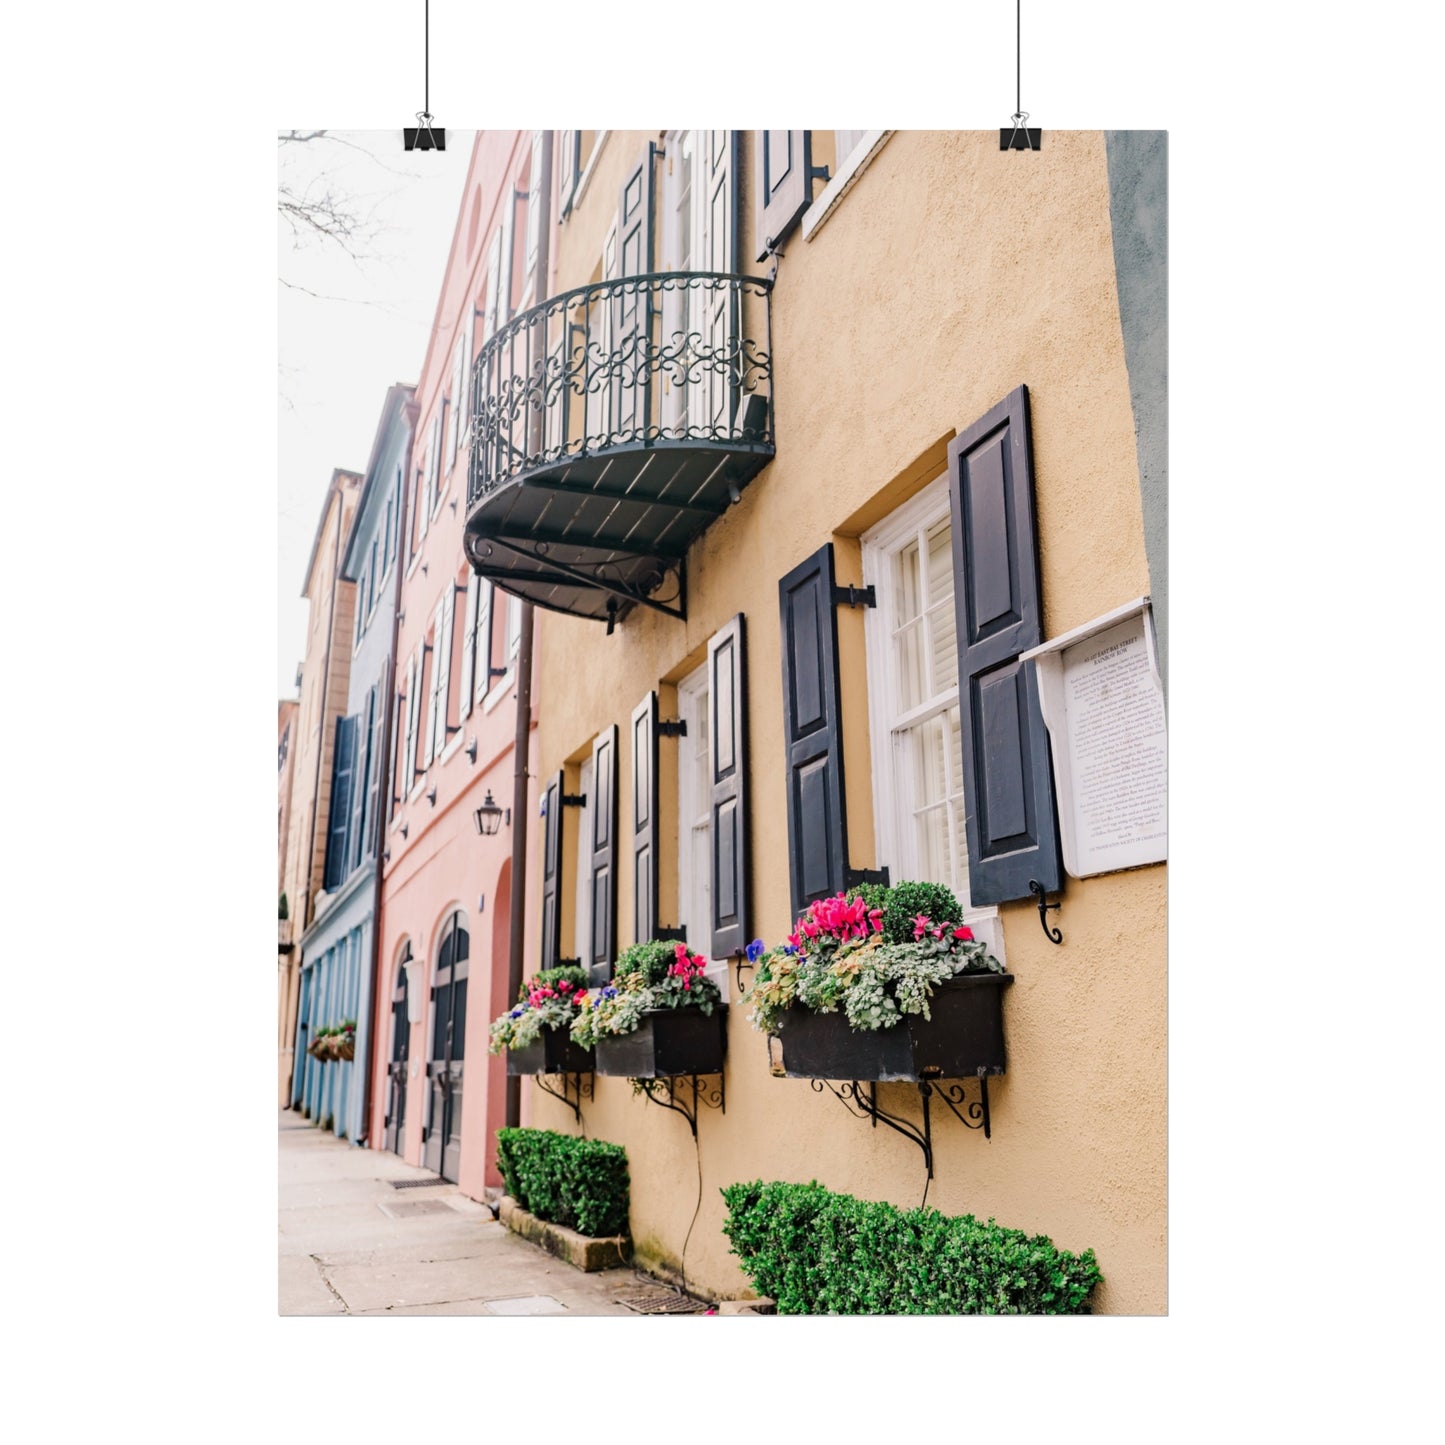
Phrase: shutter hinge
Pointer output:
(574, 800)
(851, 596)
(672, 729)
(854, 877)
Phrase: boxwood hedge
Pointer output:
(581, 1184)
(816, 1252)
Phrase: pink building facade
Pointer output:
(446, 924)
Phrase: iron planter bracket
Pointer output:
(572, 1092)
(674, 1088)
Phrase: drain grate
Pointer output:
(416, 1183)
(661, 1302)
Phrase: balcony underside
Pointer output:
(596, 535)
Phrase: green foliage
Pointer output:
(874, 895)
(905, 901)
(816, 1252)
(647, 976)
(650, 961)
(551, 977)
(581, 1184)
(549, 1001)
(874, 960)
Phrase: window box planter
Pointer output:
(963, 1039)
(667, 1042)
(553, 1052)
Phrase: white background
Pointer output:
(140, 361)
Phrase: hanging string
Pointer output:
(1008, 139)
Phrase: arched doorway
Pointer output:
(395, 1135)
(442, 1150)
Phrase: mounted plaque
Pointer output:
(1103, 703)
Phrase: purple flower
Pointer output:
(755, 950)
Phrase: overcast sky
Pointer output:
(365, 327)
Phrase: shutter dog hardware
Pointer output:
(851, 596)
(1037, 889)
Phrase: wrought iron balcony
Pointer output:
(610, 426)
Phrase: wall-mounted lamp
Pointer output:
(471, 749)
(491, 815)
(431, 795)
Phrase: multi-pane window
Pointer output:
(694, 811)
(534, 217)
(913, 672)
(454, 429)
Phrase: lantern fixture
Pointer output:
(491, 815)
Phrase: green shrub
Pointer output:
(651, 959)
(551, 977)
(816, 1252)
(581, 1184)
(905, 901)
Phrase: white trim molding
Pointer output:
(848, 171)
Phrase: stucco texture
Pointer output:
(947, 276)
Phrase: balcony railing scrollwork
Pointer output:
(647, 401)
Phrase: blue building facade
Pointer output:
(337, 951)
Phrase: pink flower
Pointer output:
(681, 951)
(875, 917)
(964, 934)
(921, 924)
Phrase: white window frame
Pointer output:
(694, 875)
(693, 893)
(879, 545)
(846, 170)
(454, 422)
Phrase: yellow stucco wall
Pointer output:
(948, 275)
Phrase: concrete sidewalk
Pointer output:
(352, 1244)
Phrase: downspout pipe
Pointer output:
(310, 897)
(384, 822)
(521, 751)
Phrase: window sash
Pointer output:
(897, 731)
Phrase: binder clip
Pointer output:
(421, 137)
(1022, 137)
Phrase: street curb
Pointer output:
(581, 1251)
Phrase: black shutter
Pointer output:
(728, 764)
(373, 824)
(632, 327)
(813, 732)
(1007, 782)
(342, 760)
(644, 819)
(552, 873)
(783, 164)
(602, 852)
(361, 783)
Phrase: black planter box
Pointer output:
(963, 1039)
(667, 1042)
(552, 1053)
